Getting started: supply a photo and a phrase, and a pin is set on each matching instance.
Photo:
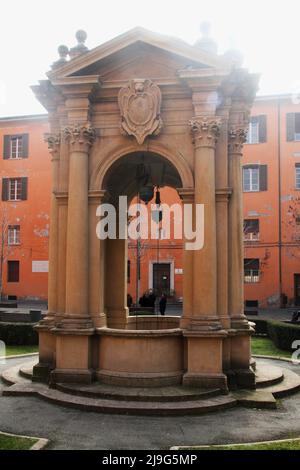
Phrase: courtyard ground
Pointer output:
(74, 429)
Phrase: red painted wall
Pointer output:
(33, 214)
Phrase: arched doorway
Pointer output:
(129, 176)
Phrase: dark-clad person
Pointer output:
(163, 304)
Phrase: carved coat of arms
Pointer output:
(139, 104)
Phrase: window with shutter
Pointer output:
(13, 235)
(251, 270)
(5, 189)
(297, 126)
(297, 171)
(15, 189)
(15, 146)
(257, 131)
(251, 178)
(292, 133)
(263, 177)
(251, 230)
(262, 120)
(13, 271)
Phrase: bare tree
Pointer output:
(4, 246)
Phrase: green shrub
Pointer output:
(18, 334)
(261, 327)
(283, 334)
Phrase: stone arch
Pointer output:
(174, 157)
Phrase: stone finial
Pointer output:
(63, 52)
(206, 43)
(80, 48)
(235, 57)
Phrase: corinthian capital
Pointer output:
(236, 139)
(53, 141)
(205, 130)
(81, 137)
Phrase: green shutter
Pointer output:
(24, 189)
(290, 127)
(262, 128)
(6, 147)
(263, 177)
(25, 145)
(5, 189)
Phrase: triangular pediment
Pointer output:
(138, 49)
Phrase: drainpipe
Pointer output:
(279, 196)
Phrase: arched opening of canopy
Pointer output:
(152, 265)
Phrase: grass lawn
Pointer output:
(265, 346)
(14, 350)
(289, 445)
(15, 443)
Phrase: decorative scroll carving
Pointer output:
(139, 104)
(53, 141)
(205, 130)
(237, 136)
(81, 137)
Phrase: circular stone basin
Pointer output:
(140, 357)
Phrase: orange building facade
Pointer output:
(271, 184)
(25, 207)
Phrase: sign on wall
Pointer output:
(40, 266)
(178, 271)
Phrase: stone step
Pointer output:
(270, 375)
(138, 407)
(290, 385)
(155, 394)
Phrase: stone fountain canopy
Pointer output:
(183, 111)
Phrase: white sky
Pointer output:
(267, 33)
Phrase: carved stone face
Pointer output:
(139, 87)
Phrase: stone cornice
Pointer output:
(223, 195)
(61, 197)
(186, 194)
(96, 196)
(237, 136)
(206, 130)
(80, 136)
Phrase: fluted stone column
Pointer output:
(46, 337)
(187, 197)
(203, 331)
(240, 340)
(54, 148)
(205, 132)
(96, 263)
(73, 333)
(80, 139)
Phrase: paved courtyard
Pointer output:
(73, 429)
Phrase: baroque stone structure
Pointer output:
(183, 111)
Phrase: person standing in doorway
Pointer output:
(163, 304)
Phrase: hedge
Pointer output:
(283, 334)
(18, 334)
(261, 327)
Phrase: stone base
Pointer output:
(41, 372)
(245, 378)
(81, 376)
(206, 381)
(139, 380)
